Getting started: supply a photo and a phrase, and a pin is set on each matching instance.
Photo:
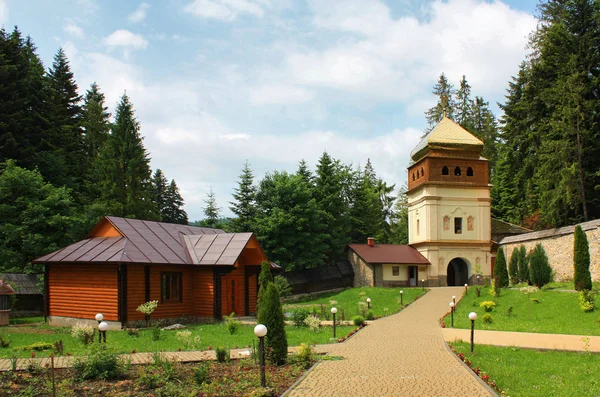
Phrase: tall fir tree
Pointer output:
(159, 186)
(304, 172)
(513, 267)
(95, 120)
(540, 272)
(523, 265)
(445, 105)
(211, 209)
(174, 212)
(483, 124)
(581, 260)
(500, 270)
(124, 168)
(366, 210)
(271, 315)
(464, 105)
(244, 206)
(399, 218)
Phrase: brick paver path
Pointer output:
(400, 355)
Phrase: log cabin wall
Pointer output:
(82, 291)
(203, 292)
(171, 309)
(252, 293)
(136, 291)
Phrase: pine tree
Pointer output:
(211, 209)
(244, 206)
(174, 212)
(264, 278)
(366, 210)
(95, 120)
(581, 261)
(270, 314)
(513, 267)
(446, 105)
(399, 219)
(500, 271)
(124, 168)
(483, 125)
(540, 272)
(464, 105)
(304, 172)
(523, 265)
(159, 186)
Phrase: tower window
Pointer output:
(457, 171)
(458, 225)
(413, 176)
(422, 172)
(445, 170)
(469, 171)
(418, 227)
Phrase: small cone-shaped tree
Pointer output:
(270, 314)
(581, 261)
(523, 265)
(500, 271)
(540, 272)
(264, 278)
(513, 267)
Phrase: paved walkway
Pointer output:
(526, 339)
(400, 355)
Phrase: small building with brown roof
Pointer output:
(387, 265)
(191, 272)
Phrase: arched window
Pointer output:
(445, 170)
(422, 172)
(469, 171)
(413, 176)
(457, 171)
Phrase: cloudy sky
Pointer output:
(218, 82)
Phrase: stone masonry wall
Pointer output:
(559, 248)
(363, 273)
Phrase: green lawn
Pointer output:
(520, 372)
(384, 301)
(557, 312)
(212, 335)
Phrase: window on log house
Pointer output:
(171, 287)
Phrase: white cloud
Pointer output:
(71, 28)
(3, 12)
(225, 9)
(125, 40)
(280, 93)
(139, 14)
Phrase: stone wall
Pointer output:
(363, 273)
(558, 244)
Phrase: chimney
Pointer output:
(371, 241)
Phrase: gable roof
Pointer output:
(389, 253)
(501, 227)
(23, 284)
(447, 134)
(216, 249)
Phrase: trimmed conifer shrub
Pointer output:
(581, 261)
(264, 278)
(513, 267)
(500, 271)
(523, 265)
(540, 272)
(270, 314)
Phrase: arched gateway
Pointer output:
(458, 272)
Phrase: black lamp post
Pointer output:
(472, 317)
(333, 311)
(368, 303)
(423, 284)
(261, 331)
(401, 296)
(466, 288)
(452, 304)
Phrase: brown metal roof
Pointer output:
(23, 284)
(216, 249)
(389, 253)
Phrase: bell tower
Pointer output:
(449, 205)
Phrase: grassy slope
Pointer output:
(558, 313)
(520, 372)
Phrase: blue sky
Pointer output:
(218, 82)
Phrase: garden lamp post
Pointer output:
(423, 284)
(478, 279)
(401, 296)
(260, 330)
(452, 304)
(102, 327)
(99, 318)
(472, 317)
(368, 303)
(466, 288)
(454, 299)
(334, 311)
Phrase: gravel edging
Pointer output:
(484, 384)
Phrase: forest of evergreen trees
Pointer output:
(64, 162)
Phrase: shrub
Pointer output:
(358, 320)
(532, 289)
(492, 290)
(148, 378)
(587, 300)
(304, 356)
(523, 265)
(581, 261)
(487, 318)
(58, 347)
(232, 324)
(185, 337)
(99, 364)
(500, 272)
(201, 374)
(370, 315)
(488, 306)
(299, 314)
(37, 346)
(271, 315)
(478, 292)
(133, 332)
(313, 322)
(83, 332)
(264, 278)
(155, 333)
(147, 309)
(540, 272)
(363, 307)
(4, 342)
(222, 354)
(282, 286)
(513, 267)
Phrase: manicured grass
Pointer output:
(567, 285)
(212, 335)
(381, 299)
(27, 320)
(557, 312)
(521, 372)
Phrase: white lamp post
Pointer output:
(423, 284)
(454, 299)
(452, 312)
(334, 311)
(368, 303)
(472, 317)
(401, 296)
(99, 317)
(466, 288)
(261, 331)
(102, 327)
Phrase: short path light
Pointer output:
(478, 279)
(261, 331)
(401, 295)
(103, 326)
(472, 317)
(334, 311)
(452, 304)
(466, 288)
(423, 284)
(99, 317)
(368, 303)
(454, 299)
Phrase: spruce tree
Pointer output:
(124, 168)
(399, 219)
(304, 172)
(174, 212)
(211, 209)
(523, 265)
(366, 210)
(244, 206)
(264, 278)
(464, 105)
(540, 272)
(500, 271)
(446, 105)
(95, 120)
(270, 313)
(159, 186)
(513, 267)
(581, 261)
